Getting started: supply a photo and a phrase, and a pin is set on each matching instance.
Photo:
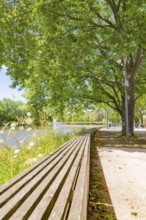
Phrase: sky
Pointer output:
(6, 91)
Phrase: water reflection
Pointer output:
(18, 137)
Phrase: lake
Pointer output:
(18, 137)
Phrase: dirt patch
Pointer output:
(112, 138)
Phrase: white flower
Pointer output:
(31, 160)
(13, 125)
(21, 128)
(16, 151)
(31, 144)
(28, 121)
(21, 141)
(28, 148)
(34, 159)
(1, 141)
(28, 129)
(28, 114)
(12, 129)
(40, 155)
(1, 132)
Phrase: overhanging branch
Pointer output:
(139, 57)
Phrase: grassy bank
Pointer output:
(15, 160)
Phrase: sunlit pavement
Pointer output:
(119, 129)
(125, 174)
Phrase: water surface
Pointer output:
(18, 137)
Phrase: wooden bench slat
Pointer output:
(60, 208)
(27, 189)
(37, 194)
(55, 188)
(44, 208)
(79, 202)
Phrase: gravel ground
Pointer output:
(125, 174)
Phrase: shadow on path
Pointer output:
(99, 206)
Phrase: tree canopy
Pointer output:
(10, 111)
(71, 54)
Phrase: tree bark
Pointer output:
(141, 118)
(131, 104)
(129, 74)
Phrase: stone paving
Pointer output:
(125, 174)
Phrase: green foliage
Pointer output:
(13, 160)
(10, 110)
(83, 117)
(114, 118)
(140, 110)
(134, 213)
(70, 53)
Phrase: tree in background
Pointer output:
(85, 116)
(140, 111)
(76, 51)
(10, 111)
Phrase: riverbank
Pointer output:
(17, 137)
(13, 160)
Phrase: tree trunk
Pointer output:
(131, 104)
(131, 66)
(141, 118)
(123, 126)
(123, 116)
(129, 75)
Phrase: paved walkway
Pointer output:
(125, 174)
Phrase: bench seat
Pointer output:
(54, 188)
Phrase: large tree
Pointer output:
(77, 51)
(10, 111)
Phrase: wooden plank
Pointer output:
(54, 188)
(17, 200)
(26, 208)
(62, 204)
(78, 207)
(43, 209)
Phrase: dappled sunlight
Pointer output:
(124, 163)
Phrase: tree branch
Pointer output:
(103, 80)
(119, 4)
(107, 21)
(137, 97)
(91, 22)
(117, 107)
(104, 53)
(113, 7)
(65, 15)
(97, 100)
(139, 57)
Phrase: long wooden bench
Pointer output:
(54, 188)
